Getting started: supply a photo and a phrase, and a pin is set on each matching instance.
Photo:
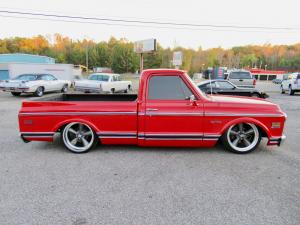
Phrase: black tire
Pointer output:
(65, 137)
(64, 89)
(112, 90)
(255, 95)
(291, 91)
(16, 93)
(39, 92)
(254, 141)
(282, 90)
(125, 91)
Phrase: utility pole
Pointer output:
(87, 57)
(141, 62)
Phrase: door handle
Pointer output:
(151, 109)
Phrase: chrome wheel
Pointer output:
(243, 137)
(39, 92)
(291, 92)
(64, 89)
(78, 137)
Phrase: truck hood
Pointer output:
(246, 105)
(241, 100)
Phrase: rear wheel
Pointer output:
(255, 95)
(291, 92)
(282, 90)
(112, 90)
(16, 93)
(241, 138)
(79, 137)
(39, 92)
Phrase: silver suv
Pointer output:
(242, 78)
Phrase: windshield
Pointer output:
(195, 86)
(26, 77)
(240, 75)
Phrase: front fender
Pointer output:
(246, 120)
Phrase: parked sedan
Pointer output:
(37, 84)
(225, 87)
(103, 83)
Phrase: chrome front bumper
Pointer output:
(277, 141)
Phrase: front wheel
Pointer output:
(291, 92)
(39, 92)
(241, 138)
(282, 90)
(79, 137)
(64, 89)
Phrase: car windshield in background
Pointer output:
(26, 77)
(240, 75)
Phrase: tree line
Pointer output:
(118, 54)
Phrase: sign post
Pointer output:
(144, 46)
(177, 59)
(141, 62)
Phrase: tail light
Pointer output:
(254, 82)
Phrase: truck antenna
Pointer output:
(209, 75)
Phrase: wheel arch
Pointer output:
(58, 127)
(265, 132)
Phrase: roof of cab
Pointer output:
(163, 70)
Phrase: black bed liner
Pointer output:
(88, 97)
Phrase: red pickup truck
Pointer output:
(169, 110)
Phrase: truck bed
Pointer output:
(87, 97)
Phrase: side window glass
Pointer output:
(225, 85)
(168, 88)
(213, 85)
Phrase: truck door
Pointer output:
(171, 118)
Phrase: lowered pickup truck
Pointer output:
(169, 110)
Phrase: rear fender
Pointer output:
(65, 122)
(246, 120)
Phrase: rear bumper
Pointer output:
(21, 90)
(24, 139)
(277, 140)
(87, 89)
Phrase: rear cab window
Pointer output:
(168, 88)
(240, 75)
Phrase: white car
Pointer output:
(290, 83)
(103, 83)
(37, 84)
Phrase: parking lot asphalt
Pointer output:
(42, 183)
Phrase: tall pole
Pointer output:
(87, 58)
(141, 62)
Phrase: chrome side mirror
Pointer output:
(193, 100)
